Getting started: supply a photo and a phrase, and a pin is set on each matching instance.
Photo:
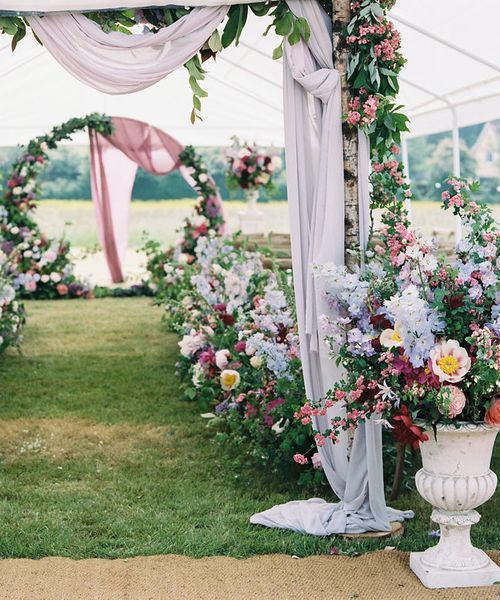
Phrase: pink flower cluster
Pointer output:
(363, 112)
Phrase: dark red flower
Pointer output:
(380, 322)
(405, 431)
(227, 319)
(454, 300)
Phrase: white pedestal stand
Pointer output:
(455, 479)
(251, 219)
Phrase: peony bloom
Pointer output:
(222, 359)
(457, 401)
(192, 343)
(55, 277)
(229, 379)
(492, 416)
(450, 362)
(390, 338)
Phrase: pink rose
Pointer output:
(300, 459)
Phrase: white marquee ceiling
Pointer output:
(244, 84)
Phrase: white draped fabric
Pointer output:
(117, 63)
(315, 177)
(47, 6)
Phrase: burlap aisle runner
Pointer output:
(382, 575)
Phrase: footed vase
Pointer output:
(251, 219)
(455, 479)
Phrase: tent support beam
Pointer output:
(451, 45)
(406, 164)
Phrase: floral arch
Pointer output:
(41, 267)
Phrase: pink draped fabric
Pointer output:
(114, 162)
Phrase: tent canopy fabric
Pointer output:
(244, 84)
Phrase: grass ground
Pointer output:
(161, 219)
(101, 457)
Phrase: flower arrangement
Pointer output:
(418, 335)
(239, 353)
(40, 267)
(249, 168)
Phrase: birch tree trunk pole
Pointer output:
(341, 14)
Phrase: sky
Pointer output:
(244, 85)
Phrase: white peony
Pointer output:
(55, 277)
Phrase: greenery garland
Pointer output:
(40, 267)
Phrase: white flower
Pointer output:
(14, 230)
(55, 277)
(256, 362)
(203, 177)
(45, 279)
(229, 379)
(17, 190)
(192, 343)
(390, 338)
(27, 253)
(222, 358)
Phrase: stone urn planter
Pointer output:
(251, 219)
(455, 479)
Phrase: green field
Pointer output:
(100, 456)
(161, 219)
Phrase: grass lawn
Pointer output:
(161, 219)
(101, 457)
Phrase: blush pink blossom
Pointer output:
(450, 362)
(457, 401)
(300, 459)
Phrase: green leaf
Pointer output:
(306, 30)
(284, 25)
(235, 23)
(196, 102)
(197, 90)
(278, 52)
(214, 42)
(9, 25)
(294, 37)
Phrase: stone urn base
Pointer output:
(251, 219)
(456, 478)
